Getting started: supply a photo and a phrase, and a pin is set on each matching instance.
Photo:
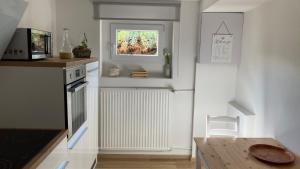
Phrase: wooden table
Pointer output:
(228, 153)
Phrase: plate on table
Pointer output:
(271, 154)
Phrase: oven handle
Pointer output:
(79, 87)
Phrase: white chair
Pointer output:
(222, 126)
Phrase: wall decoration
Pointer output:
(222, 45)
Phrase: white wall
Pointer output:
(77, 15)
(234, 5)
(11, 12)
(181, 119)
(215, 84)
(269, 75)
(214, 87)
(149, 65)
(40, 14)
(54, 15)
(206, 4)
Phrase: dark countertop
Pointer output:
(21, 148)
(50, 62)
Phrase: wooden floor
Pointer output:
(114, 163)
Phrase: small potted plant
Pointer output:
(167, 66)
(82, 51)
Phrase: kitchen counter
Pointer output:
(27, 148)
(50, 62)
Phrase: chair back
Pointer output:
(222, 126)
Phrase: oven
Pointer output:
(76, 98)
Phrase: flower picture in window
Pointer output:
(137, 42)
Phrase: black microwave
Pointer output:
(29, 44)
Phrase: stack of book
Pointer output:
(139, 73)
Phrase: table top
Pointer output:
(228, 153)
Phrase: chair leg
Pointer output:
(198, 159)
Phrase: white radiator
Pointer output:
(135, 119)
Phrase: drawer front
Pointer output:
(79, 142)
(81, 161)
(56, 157)
(63, 165)
(80, 149)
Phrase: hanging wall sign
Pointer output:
(222, 46)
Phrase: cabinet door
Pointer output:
(92, 109)
(86, 138)
(56, 157)
(93, 105)
(79, 141)
(80, 154)
(84, 153)
(81, 161)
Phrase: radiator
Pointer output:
(135, 119)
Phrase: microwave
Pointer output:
(29, 44)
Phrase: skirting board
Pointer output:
(184, 152)
(144, 157)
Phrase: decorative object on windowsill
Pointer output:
(167, 66)
(114, 71)
(66, 49)
(140, 73)
(82, 51)
(222, 45)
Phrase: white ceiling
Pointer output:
(234, 5)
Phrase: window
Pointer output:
(137, 42)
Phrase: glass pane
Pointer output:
(38, 42)
(137, 42)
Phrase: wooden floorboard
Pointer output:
(114, 163)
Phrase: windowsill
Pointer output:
(150, 76)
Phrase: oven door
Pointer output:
(76, 105)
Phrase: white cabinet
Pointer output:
(57, 157)
(83, 153)
(80, 152)
(81, 161)
(93, 105)
(79, 156)
(92, 100)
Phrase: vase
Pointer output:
(66, 49)
(167, 70)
